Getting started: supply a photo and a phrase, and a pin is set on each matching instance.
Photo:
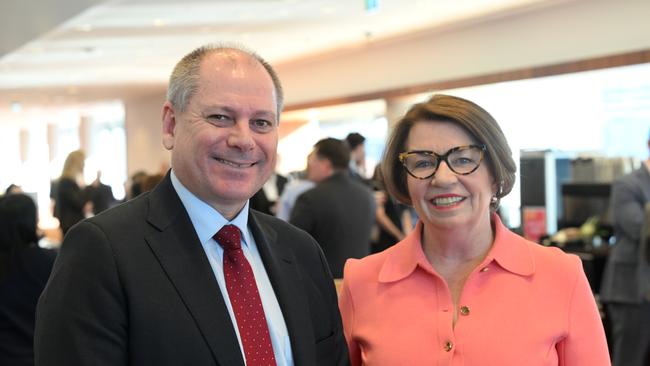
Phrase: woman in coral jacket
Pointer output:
(461, 289)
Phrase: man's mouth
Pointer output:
(234, 164)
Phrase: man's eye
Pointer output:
(218, 117)
(262, 124)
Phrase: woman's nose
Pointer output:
(444, 175)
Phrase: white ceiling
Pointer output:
(135, 43)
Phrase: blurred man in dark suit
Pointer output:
(625, 289)
(339, 212)
(99, 194)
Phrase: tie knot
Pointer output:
(229, 237)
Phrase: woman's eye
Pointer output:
(423, 163)
(463, 161)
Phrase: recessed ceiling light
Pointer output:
(35, 49)
(159, 22)
(327, 10)
(83, 28)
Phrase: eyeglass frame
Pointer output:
(440, 158)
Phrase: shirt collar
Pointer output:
(206, 220)
(509, 250)
(404, 257)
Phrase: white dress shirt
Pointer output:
(207, 222)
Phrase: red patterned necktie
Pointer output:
(245, 299)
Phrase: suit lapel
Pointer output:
(183, 259)
(287, 283)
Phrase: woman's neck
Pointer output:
(458, 246)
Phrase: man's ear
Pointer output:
(329, 167)
(168, 125)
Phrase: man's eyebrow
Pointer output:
(227, 109)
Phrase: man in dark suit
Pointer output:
(99, 194)
(624, 287)
(156, 281)
(340, 211)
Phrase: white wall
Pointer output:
(143, 125)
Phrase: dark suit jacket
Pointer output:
(339, 213)
(260, 202)
(620, 279)
(133, 286)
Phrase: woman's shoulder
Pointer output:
(554, 258)
(369, 267)
(531, 257)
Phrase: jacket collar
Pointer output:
(509, 250)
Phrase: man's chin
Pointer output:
(234, 193)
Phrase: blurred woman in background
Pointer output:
(70, 202)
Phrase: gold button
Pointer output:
(449, 346)
(485, 269)
(464, 310)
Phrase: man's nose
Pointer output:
(241, 136)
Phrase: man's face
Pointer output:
(224, 143)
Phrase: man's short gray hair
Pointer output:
(184, 80)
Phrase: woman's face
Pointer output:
(448, 200)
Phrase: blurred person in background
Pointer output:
(393, 219)
(266, 199)
(13, 188)
(24, 270)
(100, 195)
(461, 289)
(624, 285)
(292, 190)
(357, 144)
(71, 205)
(150, 182)
(135, 185)
(339, 212)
